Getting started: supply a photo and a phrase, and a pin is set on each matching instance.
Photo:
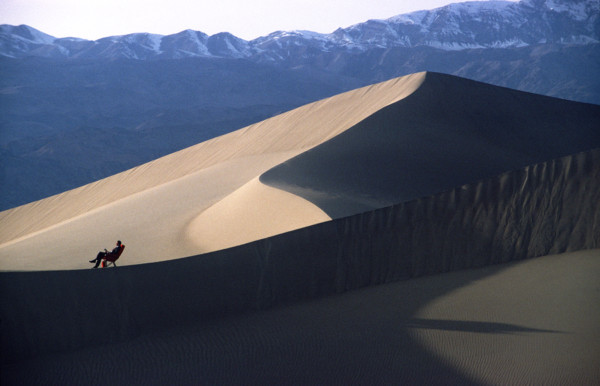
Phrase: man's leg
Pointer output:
(98, 259)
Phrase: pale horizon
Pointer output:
(93, 20)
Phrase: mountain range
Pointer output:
(477, 24)
(74, 111)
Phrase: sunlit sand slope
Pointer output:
(150, 207)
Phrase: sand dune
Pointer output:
(551, 207)
(365, 149)
(449, 132)
(188, 182)
(294, 224)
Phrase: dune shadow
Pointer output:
(473, 326)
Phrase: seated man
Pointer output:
(101, 255)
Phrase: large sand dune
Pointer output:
(365, 149)
(298, 218)
(150, 207)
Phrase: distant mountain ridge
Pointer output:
(477, 24)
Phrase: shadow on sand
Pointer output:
(471, 326)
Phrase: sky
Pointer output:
(246, 19)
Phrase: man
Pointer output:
(101, 255)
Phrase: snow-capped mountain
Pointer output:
(476, 24)
(483, 24)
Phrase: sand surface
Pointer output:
(531, 322)
(252, 212)
(294, 250)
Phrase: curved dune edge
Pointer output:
(448, 133)
(152, 223)
(415, 147)
(358, 151)
(254, 211)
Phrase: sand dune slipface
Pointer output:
(449, 132)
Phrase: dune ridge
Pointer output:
(448, 132)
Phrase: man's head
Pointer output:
(118, 243)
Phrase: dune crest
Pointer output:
(448, 133)
(543, 209)
(436, 139)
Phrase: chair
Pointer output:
(112, 257)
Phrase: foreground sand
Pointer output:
(531, 322)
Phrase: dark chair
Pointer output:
(111, 258)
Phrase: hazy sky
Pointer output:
(247, 19)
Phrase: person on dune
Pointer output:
(101, 254)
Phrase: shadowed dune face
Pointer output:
(533, 322)
(447, 133)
